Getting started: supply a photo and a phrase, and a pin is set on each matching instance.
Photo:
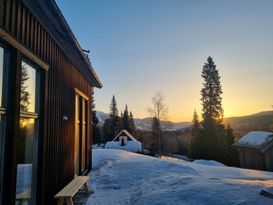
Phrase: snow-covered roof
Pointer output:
(131, 146)
(255, 139)
(127, 133)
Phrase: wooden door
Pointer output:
(81, 123)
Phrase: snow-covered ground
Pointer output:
(131, 146)
(120, 177)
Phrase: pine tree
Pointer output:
(24, 95)
(195, 124)
(211, 93)
(96, 129)
(132, 126)
(232, 157)
(212, 141)
(113, 108)
(125, 119)
(95, 121)
(111, 126)
(115, 125)
(155, 143)
(195, 128)
(212, 130)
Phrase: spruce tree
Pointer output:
(154, 147)
(212, 112)
(125, 119)
(132, 126)
(211, 93)
(114, 118)
(232, 157)
(95, 122)
(96, 129)
(194, 144)
(24, 95)
(195, 124)
(212, 141)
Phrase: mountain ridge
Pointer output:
(260, 121)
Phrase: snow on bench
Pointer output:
(68, 192)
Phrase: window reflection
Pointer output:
(2, 118)
(1, 73)
(25, 159)
(28, 81)
(2, 122)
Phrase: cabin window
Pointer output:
(28, 134)
(2, 113)
(81, 133)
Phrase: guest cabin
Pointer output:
(46, 86)
(125, 141)
(123, 136)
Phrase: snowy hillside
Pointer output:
(120, 177)
(145, 123)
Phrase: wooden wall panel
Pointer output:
(62, 77)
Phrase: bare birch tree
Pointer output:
(158, 111)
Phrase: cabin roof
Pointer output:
(256, 139)
(127, 133)
(51, 18)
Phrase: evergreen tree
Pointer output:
(115, 124)
(212, 130)
(111, 126)
(125, 119)
(212, 141)
(107, 128)
(132, 126)
(95, 121)
(211, 93)
(96, 129)
(24, 95)
(154, 147)
(195, 124)
(194, 144)
(120, 121)
(231, 152)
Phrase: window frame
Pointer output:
(3, 112)
(36, 115)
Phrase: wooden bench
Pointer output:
(68, 192)
(267, 192)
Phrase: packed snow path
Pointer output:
(120, 177)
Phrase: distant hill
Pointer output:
(259, 121)
(145, 123)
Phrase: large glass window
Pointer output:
(1, 74)
(3, 92)
(28, 135)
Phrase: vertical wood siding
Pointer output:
(62, 78)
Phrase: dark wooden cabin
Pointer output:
(46, 86)
(256, 150)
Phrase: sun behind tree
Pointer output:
(211, 140)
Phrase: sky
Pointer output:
(140, 47)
